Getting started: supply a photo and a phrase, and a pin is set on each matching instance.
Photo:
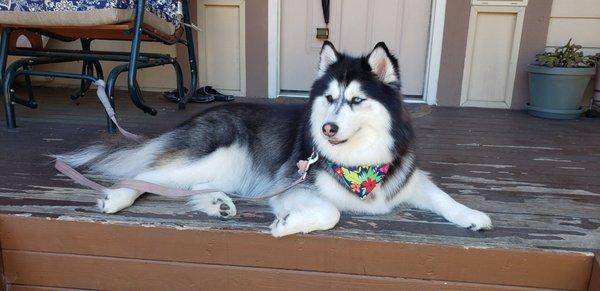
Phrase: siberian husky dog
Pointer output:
(354, 121)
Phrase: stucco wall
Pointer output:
(454, 47)
(533, 41)
(256, 48)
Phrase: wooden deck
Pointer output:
(538, 179)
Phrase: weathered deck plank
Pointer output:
(538, 179)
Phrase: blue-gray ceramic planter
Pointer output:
(557, 92)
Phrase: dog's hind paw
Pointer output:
(214, 204)
(116, 199)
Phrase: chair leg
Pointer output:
(179, 79)
(30, 97)
(9, 107)
(4, 39)
(86, 68)
(110, 126)
(189, 37)
(110, 91)
(132, 84)
(98, 67)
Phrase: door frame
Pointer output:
(434, 50)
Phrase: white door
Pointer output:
(355, 26)
(222, 45)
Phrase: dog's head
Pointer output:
(356, 116)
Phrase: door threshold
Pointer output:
(418, 100)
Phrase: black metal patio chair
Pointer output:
(86, 24)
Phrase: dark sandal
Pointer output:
(196, 98)
(172, 95)
(208, 90)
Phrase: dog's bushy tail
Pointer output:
(118, 161)
(83, 156)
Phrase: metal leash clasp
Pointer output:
(314, 157)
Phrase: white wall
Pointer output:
(579, 20)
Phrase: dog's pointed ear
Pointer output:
(383, 64)
(328, 56)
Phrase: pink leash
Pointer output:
(147, 187)
(101, 92)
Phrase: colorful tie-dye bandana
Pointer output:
(359, 180)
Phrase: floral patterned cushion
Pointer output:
(164, 9)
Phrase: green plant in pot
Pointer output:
(558, 81)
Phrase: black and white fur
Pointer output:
(253, 149)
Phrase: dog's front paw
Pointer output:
(472, 219)
(214, 204)
(280, 227)
(303, 222)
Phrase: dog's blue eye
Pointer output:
(329, 98)
(357, 100)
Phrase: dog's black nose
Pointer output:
(330, 129)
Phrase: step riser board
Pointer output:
(68, 253)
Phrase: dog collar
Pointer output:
(360, 180)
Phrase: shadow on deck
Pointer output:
(538, 179)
